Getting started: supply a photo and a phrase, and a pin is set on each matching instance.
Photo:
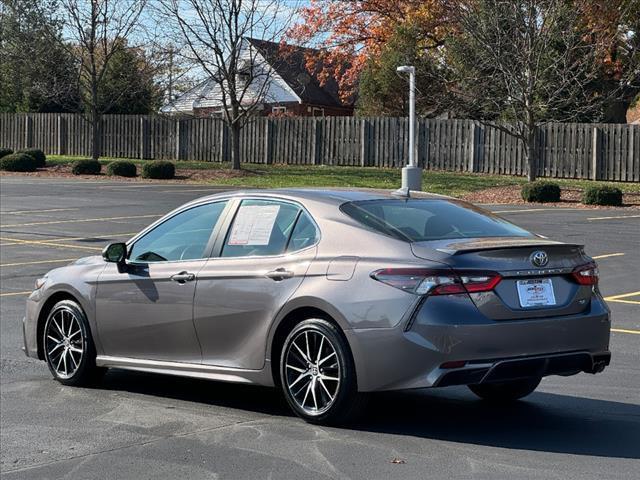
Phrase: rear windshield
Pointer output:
(419, 220)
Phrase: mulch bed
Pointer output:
(568, 198)
(183, 175)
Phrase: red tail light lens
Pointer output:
(422, 281)
(586, 274)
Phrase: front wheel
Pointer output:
(68, 346)
(317, 374)
(505, 391)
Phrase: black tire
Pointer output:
(85, 372)
(506, 391)
(347, 403)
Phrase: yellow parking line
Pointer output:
(619, 298)
(608, 255)
(70, 239)
(23, 212)
(49, 244)
(630, 302)
(622, 295)
(623, 330)
(11, 294)
(525, 210)
(61, 260)
(84, 220)
(613, 218)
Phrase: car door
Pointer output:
(144, 309)
(260, 262)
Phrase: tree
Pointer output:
(382, 91)
(129, 85)
(525, 62)
(97, 32)
(213, 35)
(354, 32)
(36, 75)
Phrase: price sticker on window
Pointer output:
(253, 225)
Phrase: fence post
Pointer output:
(364, 142)
(178, 139)
(474, 136)
(317, 140)
(596, 153)
(141, 140)
(28, 131)
(62, 135)
(268, 141)
(223, 140)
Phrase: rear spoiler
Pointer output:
(466, 245)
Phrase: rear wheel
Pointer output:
(505, 391)
(68, 347)
(317, 374)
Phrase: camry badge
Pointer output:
(539, 258)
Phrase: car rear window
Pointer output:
(419, 220)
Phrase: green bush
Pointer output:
(541, 192)
(18, 162)
(5, 151)
(40, 157)
(160, 169)
(122, 169)
(602, 195)
(86, 167)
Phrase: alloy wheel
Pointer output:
(312, 372)
(64, 342)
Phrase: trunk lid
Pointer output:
(527, 290)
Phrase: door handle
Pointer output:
(279, 274)
(183, 277)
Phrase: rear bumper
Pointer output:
(503, 370)
(452, 329)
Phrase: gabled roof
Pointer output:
(291, 64)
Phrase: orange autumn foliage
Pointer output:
(349, 32)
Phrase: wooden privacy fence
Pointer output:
(565, 150)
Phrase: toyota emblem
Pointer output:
(539, 258)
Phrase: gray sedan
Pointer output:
(327, 295)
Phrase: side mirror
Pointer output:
(115, 253)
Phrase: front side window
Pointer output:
(260, 227)
(182, 237)
(419, 220)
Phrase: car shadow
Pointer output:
(545, 422)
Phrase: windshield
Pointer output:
(419, 220)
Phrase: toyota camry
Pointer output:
(327, 295)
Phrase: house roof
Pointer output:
(291, 64)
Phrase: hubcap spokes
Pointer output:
(312, 372)
(64, 342)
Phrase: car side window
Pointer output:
(304, 234)
(260, 227)
(182, 237)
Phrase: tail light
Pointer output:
(586, 274)
(422, 281)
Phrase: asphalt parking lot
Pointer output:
(149, 426)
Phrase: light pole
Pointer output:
(411, 174)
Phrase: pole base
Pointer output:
(412, 178)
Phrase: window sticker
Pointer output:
(253, 225)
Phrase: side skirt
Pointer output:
(193, 370)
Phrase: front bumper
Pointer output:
(30, 325)
(451, 329)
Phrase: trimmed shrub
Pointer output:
(18, 162)
(86, 167)
(5, 151)
(541, 192)
(160, 169)
(40, 157)
(602, 195)
(122, 169)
